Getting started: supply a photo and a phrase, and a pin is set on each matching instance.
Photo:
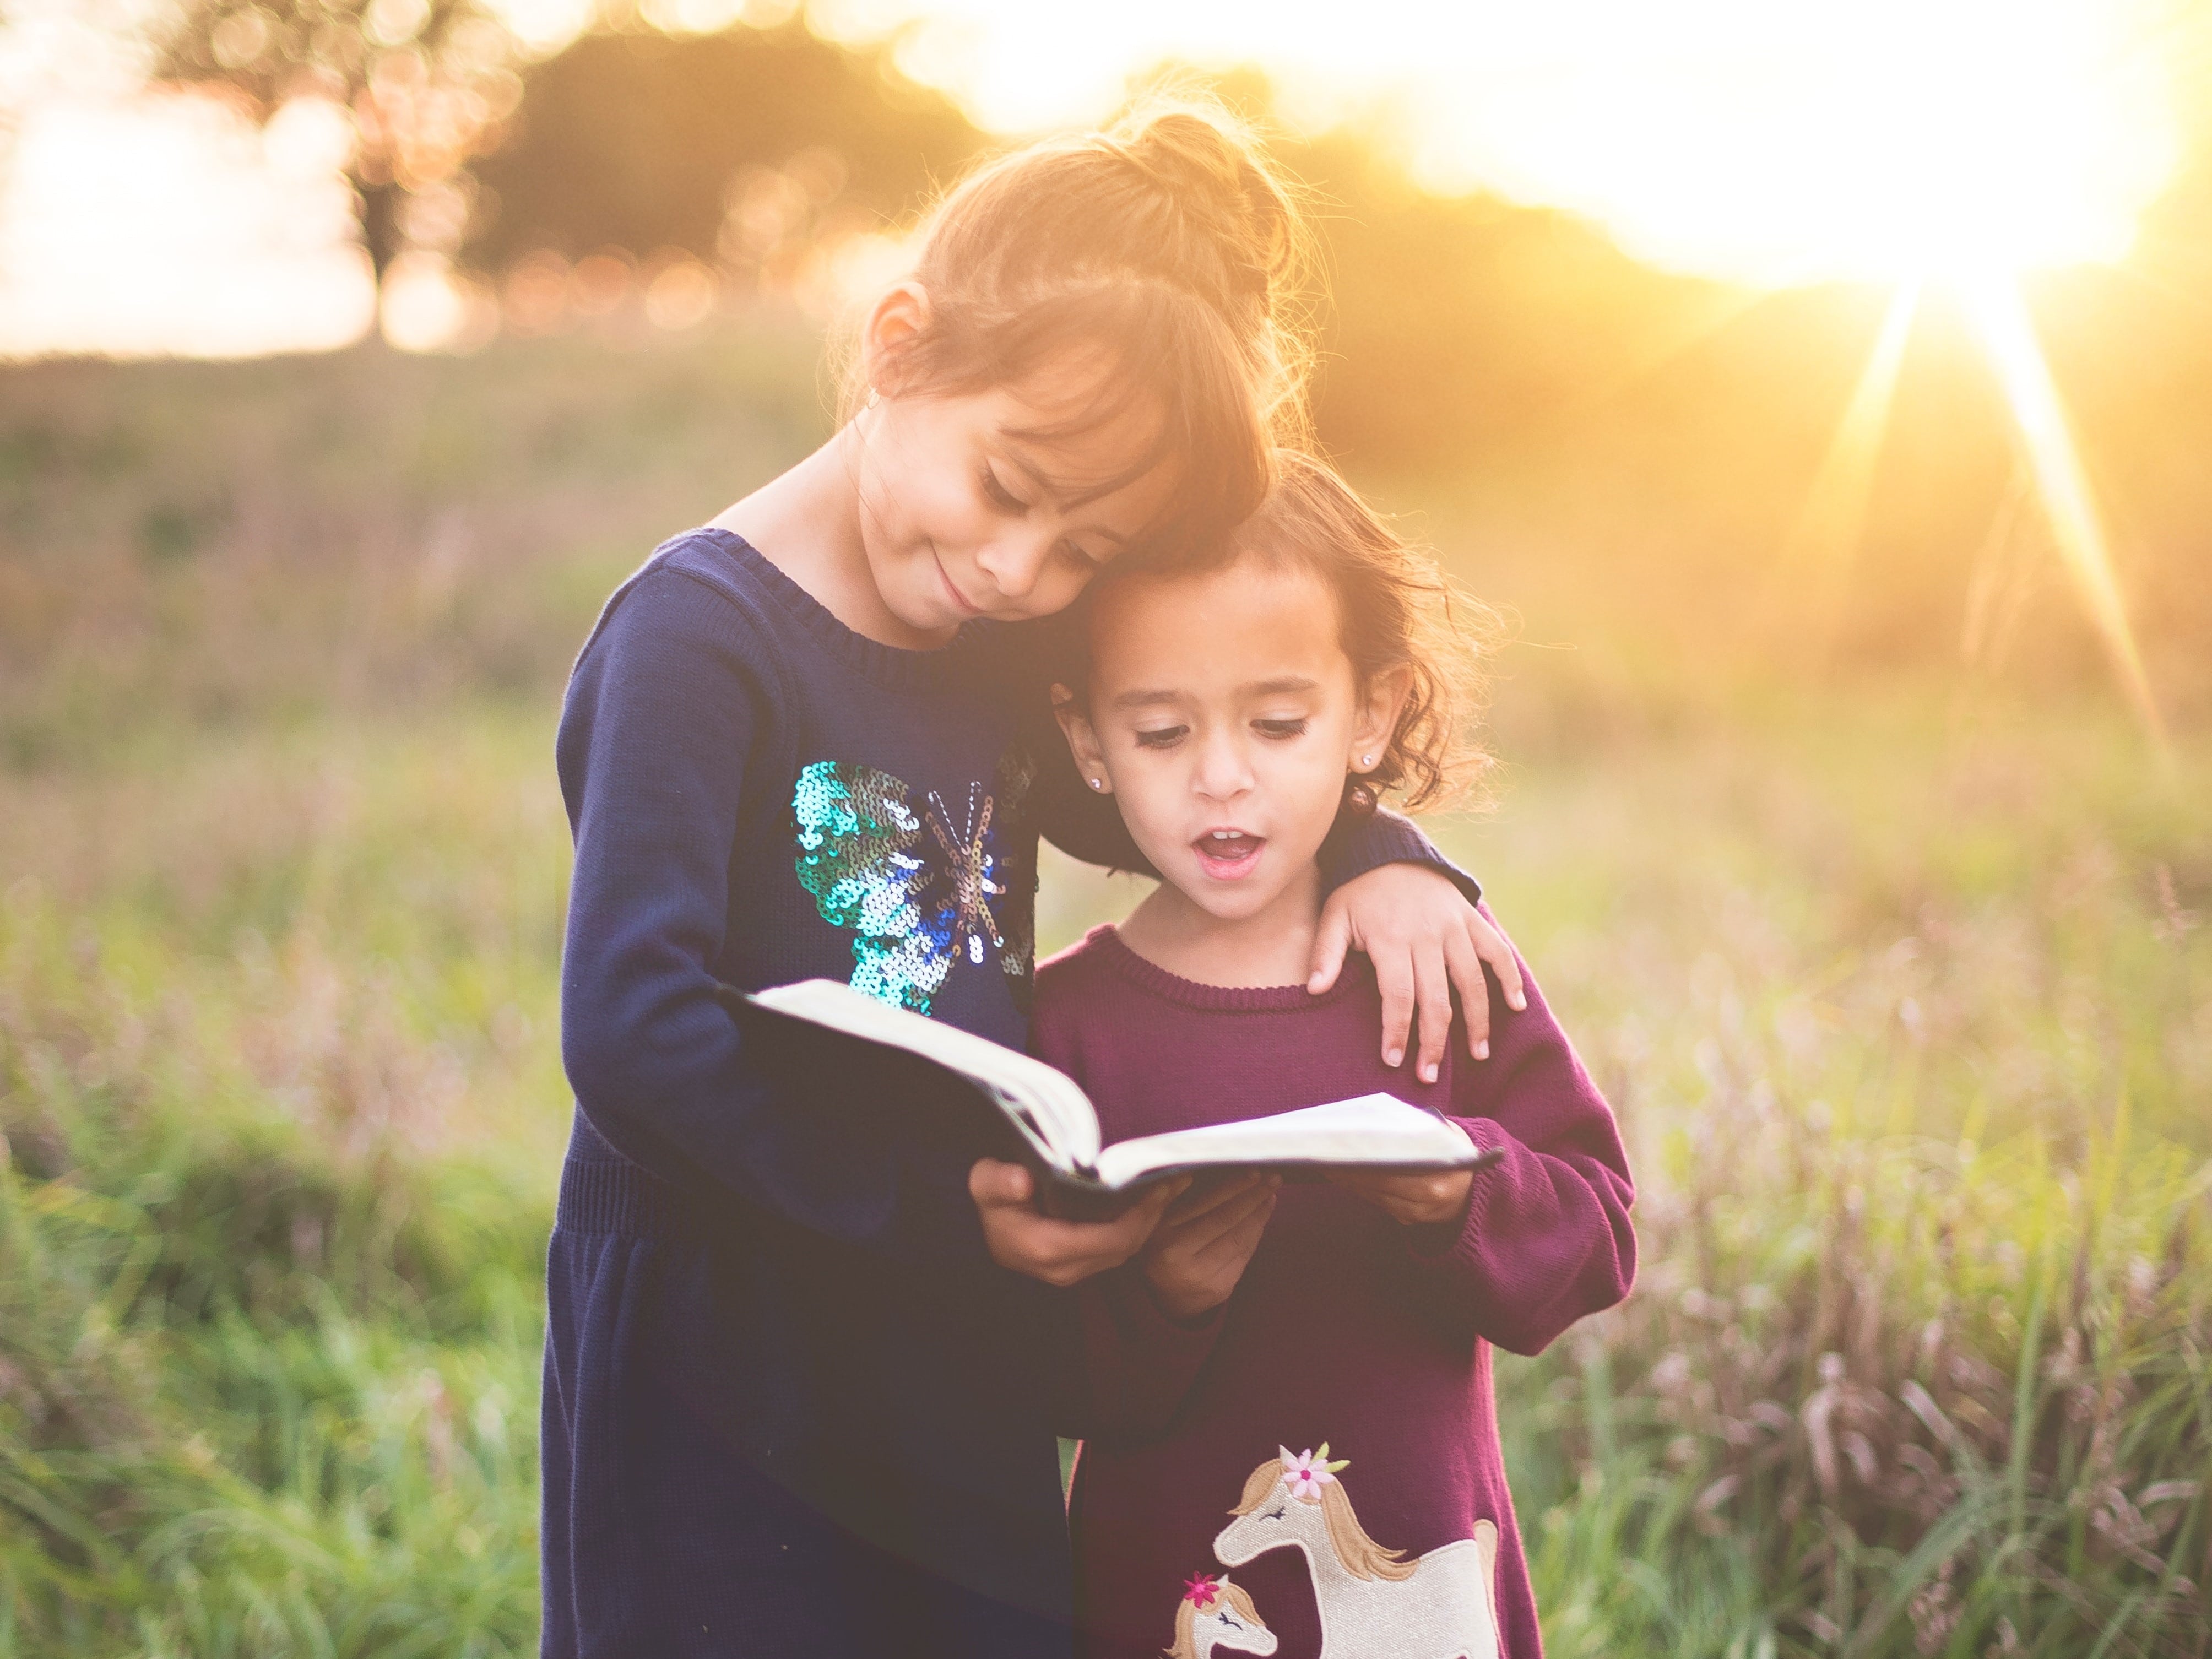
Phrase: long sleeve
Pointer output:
(666, 707)
(1547, 1236)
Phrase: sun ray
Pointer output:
(1820, 550)
(2000, 317)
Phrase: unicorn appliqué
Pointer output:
(1216, 1613)
(1374, 1603)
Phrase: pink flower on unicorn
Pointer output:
(1216, 1616)
(1309, 1472)
(1374, 1603)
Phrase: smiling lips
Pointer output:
(958, 597)
(1227, 854)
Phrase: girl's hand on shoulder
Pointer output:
(1424, 937)
(1415, 1200)
(1062, 1253)
(1202, 1245)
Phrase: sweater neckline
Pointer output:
(891, 665)
(1150, 976)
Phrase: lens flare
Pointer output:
(2000, 317)
(1826, 539)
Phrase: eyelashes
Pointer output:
(1000, 495)
(1069, 553)
(1166, 736)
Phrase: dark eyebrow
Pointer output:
(1144, 699)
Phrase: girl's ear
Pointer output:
(1383, 701)
(1082, 742)
(893, 323)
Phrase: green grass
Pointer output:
(1906, 1004)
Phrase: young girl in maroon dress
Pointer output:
(1331, 1484)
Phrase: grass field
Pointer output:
(1902, 991)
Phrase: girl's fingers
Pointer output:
(1195, 1232)
(991, 1181)
(1144, 1216)
(1494, 948)
(1232, 1217)
(1393, 978)
(1235, 1244)
(1331, 940)
(1202, 1198)
(1465, 967)
(1432, 989)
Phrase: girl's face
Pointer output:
(960, 517)
(1223, 715)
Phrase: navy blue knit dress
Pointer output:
(791, 1407)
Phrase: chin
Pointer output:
(1225, 903)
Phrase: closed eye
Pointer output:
(1165, 737)
(1076, 557)
(1281, 729)
(1275, 1515)
(1000, 497)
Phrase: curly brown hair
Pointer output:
(1396, 609)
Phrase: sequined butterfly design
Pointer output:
(919, 886)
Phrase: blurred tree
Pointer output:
(429, 83)
(731, 146)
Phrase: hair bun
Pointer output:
(1208, 164)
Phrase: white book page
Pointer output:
(1049, 1105)
(1371, 1129)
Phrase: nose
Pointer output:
(1222, 772)
(1014, 562)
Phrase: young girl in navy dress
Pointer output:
(1331, 1484)
(795, 1401)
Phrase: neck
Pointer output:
(1274, 945)
(807, 523)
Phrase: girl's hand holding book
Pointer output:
(1199, 1250)
(1421, 1199)
(1060, 1253)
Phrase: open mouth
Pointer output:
(1228, 854)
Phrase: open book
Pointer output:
(1008, 1105)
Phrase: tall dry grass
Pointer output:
(1903, 991)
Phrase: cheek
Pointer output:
(1309, 776)
(1151, 790)
(919, 487)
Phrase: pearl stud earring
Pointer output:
(1097, 783)
(1367, 760)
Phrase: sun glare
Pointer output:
(2001, 318)
(1764, 141)
(1826, 538)
(1785, 143)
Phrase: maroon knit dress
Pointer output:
(1398, 1540)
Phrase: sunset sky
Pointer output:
(1747, 139)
